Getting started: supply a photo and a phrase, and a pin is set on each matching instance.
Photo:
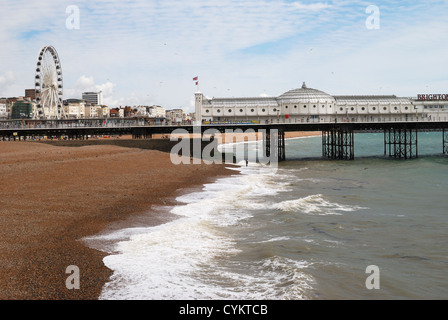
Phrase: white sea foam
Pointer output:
(161, 263)
(276, 239)
(180, 259)
(315, 205)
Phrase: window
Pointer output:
(314, 106)
(295, 107)
(341, 109)
(385, 108)
(275, 109)
(374, 108)
(230, 110)
(241, 110)
(363, 109)
(304, 107)
(219, 111)
(323, 107)
(353, 109)
(395, 108)
(252, 110)
(207, 111)
(286, 107)
(263, 110)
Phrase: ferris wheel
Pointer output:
(48, 85)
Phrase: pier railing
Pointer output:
(127, 123)
(66, 124)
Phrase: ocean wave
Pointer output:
(161, 263)
(315, 205)
(184, 258)
(275, 239)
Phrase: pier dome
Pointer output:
(305, 94)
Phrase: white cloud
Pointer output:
(85, 83)
(6, 80)
(146, 52)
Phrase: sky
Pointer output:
(147, 52)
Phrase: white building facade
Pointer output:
(156, 112)
(304, 105)
(175, 116)
(3, 111)
(74, 109)
(95, 98)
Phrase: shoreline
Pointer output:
(53, 197)
(50, 228)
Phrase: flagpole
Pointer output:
(196, 79)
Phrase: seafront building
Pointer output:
(22, 109)
(30, 93)
(95, 98)
(175, 116)
(156, 112)
(304, 105)
(74, 108)
(3, 110)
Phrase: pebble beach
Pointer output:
(53, 196)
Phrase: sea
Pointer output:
(371, 228)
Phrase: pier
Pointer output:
(338, 143)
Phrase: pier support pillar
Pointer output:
(401, 143)
(267, 143)
(281, 145)
(338, 144)
(274, 144)
(445, 141)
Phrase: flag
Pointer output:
(195, 79)
(197, 82)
